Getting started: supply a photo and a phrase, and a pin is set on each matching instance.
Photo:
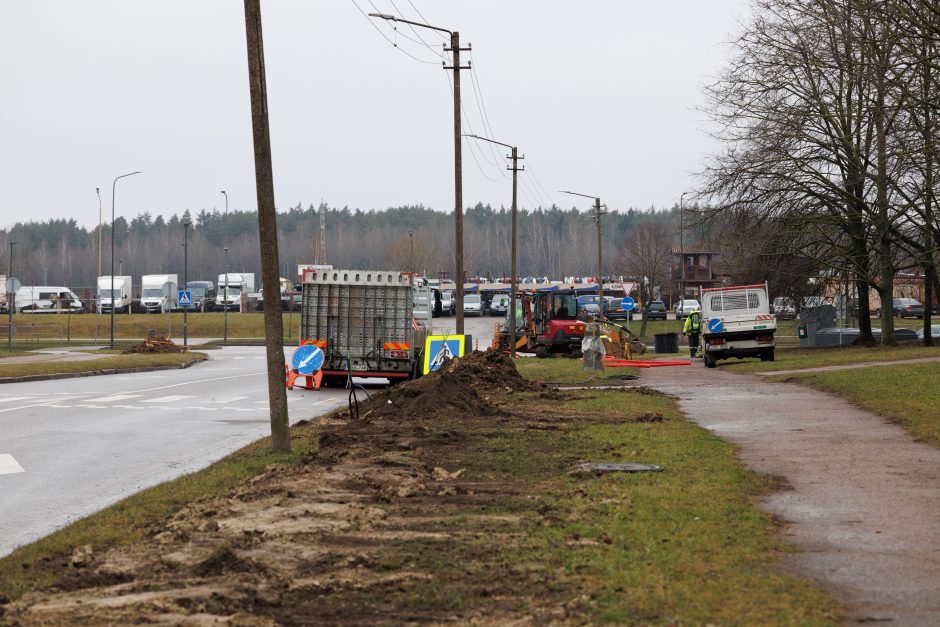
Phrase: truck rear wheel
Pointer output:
(766, 354)
(710, 361)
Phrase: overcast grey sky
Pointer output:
(598, 95)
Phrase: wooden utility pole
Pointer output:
(267, 230)
(458, 176)
(600, 254)
(515, 272)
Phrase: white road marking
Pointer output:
(260, 373)
(230, 399)
(8, 465)
(172, 398)
(15, 398)
(116, 397)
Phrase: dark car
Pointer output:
(614, 310)
(905, 308)
(655, 310)
(589, 305)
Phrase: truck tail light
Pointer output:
(765, 338)
(716, 341)
(399, 354)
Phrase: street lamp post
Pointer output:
(411, 236)
(11, 302)
(681, 262)
(225, 288)
(512, 281)
(185, 281)
(458, 167)
(600, 233)
(113, 189)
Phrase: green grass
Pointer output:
(35, 565)
(908, 395)
(105, 363)
(564, 370)
(685, 546)
(796, 358)
(57, 328)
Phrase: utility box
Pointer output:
(812, 321)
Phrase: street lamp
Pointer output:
(512, 282)
(113, 189)
(458, 163)
(681, 262)
(185, 281)
(225, 288)
(600, 251)
(11, 302)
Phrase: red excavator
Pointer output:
(546, 322)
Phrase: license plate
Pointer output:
(358, 367)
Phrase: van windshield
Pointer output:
(152, 292)
(471, 298)
(109, 293)
(198, 292)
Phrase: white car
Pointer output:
(472, 305)
(684, 307)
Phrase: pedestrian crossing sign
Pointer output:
(185, 298)
(437, 348)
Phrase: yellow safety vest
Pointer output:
(692, 323)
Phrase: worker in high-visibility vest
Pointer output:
(692, 328)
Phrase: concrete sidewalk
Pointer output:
(865, 499)
(864, 364)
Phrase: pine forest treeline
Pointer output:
(552, 242)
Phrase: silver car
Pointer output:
(472, 305)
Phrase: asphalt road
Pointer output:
(71, 447)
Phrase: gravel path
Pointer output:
(864, 508)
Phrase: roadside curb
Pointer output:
(94, 373)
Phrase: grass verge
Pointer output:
(907, 395)
(115, 362)
(522, 532)
(796, 358)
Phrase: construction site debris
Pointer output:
(157, 344)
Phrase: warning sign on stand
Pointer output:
(437, 348)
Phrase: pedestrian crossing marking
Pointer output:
(115, 398)
(8, 465)
(173, 398)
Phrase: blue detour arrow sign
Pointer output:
(307, 359)
(715, 325)
(627, 304)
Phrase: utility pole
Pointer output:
(411, 237)
(267, 229)
(458, 164)
(11, 302)
(458, 175)
(512, 282)
(596, 218)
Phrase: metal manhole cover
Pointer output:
(605, 468)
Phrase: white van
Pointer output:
(47, 299)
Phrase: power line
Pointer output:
(415, 31)
(395, 45)
(481, 103)
(423, 19)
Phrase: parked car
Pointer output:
(934, 332)
(684, 307)
(499, 304)
(472, 305)
(448, 303)
(905, 308)
(655, 310)
(784, 308)
(613, 309)
(589, 305)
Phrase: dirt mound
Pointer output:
(156, 344)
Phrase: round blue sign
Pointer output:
(627, 304)
(307, 359)
(715, 325)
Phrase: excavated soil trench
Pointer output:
(864, 498)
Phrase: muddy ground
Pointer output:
(382, 525)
